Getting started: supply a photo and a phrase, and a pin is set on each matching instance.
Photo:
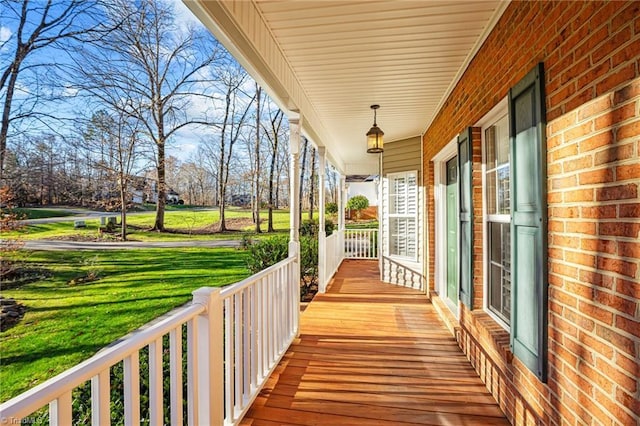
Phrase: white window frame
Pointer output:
(493, 116)
(414, 215)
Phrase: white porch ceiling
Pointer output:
(331, 60)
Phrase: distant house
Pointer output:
(151, 193)
(173, 197)
(240, 200)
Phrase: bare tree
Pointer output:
(273, 135)
(157, 69)
(196, 183)
(39, 25)
(257, 201)
(207, 157)
(303, 166)
(236, 110)
(119, 135)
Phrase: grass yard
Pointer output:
(67, 323)
(186, 220)
(182, 224)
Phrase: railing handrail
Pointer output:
(40, 395)
(240, 285)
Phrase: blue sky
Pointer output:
(184, 143)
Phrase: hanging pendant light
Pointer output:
(375, 145)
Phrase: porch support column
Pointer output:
(379, 250)
(322, 235)
(294, 194)
(342, 202)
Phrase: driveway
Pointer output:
(82, 245)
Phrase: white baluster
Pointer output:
(246, 344)
(156, 415)
(192, 373)
(100, 399)
(175, 366)
(238, 350)
(60, 413)
(255, 353)
(131, 366)
(229, 390)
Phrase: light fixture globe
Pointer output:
(375, 143)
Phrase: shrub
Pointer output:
(246, 242)
(358, 203)
(311, 227)
(331, 208)
(272, 250)
(308, 265)
(10, 248)
(267, 252)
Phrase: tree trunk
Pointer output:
(303, 165)
(272, 172)
(257, 168)
(6, 112)
(162, 190)
(222, 226)
(123, 208)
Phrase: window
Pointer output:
(403, 214)
(498, 201)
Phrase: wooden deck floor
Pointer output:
(371, 353)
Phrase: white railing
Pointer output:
(334, 254)
(235, 337)
(261, 320)
(361, 243)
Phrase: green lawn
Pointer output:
(182, 224)
(66, 323)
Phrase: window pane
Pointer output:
(402, 236)
(502, 141)
(491, 193)
(504, 196)
(500, 270)
(490, 147)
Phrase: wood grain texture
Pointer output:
(371, 353)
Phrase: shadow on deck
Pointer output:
(371, 353)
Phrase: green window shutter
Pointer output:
(527, 122)
(465, 215)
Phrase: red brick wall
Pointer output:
(591, 55)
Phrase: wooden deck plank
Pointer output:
(371, 353)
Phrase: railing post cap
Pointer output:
(205, 291)
(203, 295)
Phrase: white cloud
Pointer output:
(69, 92)
(184, 18)
(5, 34)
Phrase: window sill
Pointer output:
(494, 334)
